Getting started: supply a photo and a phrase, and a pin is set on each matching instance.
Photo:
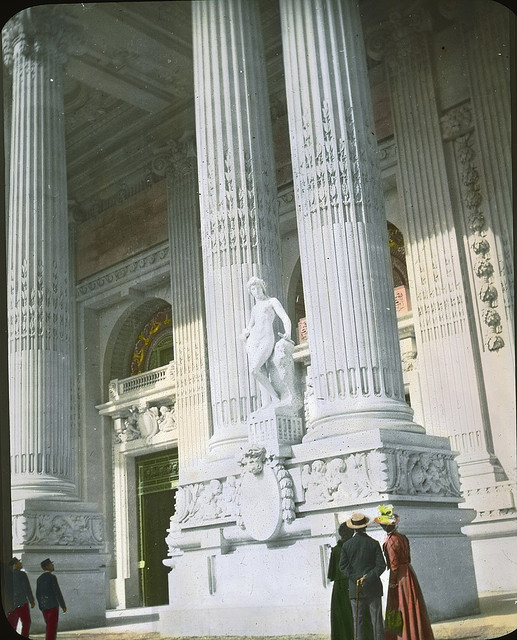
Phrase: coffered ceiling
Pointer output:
(129, 90)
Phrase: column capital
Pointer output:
(397, 38)
(177, 157)
(38, 30)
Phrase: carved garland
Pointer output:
(457, 126)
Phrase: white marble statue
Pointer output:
(266, 354)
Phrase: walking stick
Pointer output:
(357, 590)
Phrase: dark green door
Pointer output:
(157, 478)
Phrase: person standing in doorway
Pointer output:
(363, 563)
(406, 613)
(49, 598)
(21, 597)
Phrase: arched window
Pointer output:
(399, 269)
(154, 344)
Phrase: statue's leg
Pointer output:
(262, 378)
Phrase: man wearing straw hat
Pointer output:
(362, 561)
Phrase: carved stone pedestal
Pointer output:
(71, 534)
(257, 538)
(276, 428)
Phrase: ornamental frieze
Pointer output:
(359, 477)
(58, 530)
(206, 501)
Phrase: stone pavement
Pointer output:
(497, 619)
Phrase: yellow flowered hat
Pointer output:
(386, 515)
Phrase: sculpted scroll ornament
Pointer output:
(222, 500)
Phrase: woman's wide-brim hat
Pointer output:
(358, 521)
(387, 516)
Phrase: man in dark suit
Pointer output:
(49, 598)
(21, 597)
(362, 561)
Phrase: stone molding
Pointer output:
(327, 483)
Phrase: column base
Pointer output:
(398, 417)
(42, 487)
(228, 443)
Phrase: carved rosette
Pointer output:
(457, 126)
(55, 529)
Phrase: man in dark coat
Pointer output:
(362, 561)
(49, 598)
(21, 597)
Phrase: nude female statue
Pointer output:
(259, 334)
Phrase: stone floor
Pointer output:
(497, 619)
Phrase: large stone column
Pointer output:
(239, 221)
(47, 517)
(355, 355)
(38, 266)
(192, 409)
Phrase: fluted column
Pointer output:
(355, 355)
(40, 312)
(192, 408)
(239, 219)
(454, 402)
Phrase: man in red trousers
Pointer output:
(22, 596)
(49, 598)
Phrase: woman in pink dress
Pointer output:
(404, 593)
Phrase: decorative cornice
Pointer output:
(124, 272)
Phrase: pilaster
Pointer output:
(238, 200)
(355, 355)
(488, 32)
(453, 395)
